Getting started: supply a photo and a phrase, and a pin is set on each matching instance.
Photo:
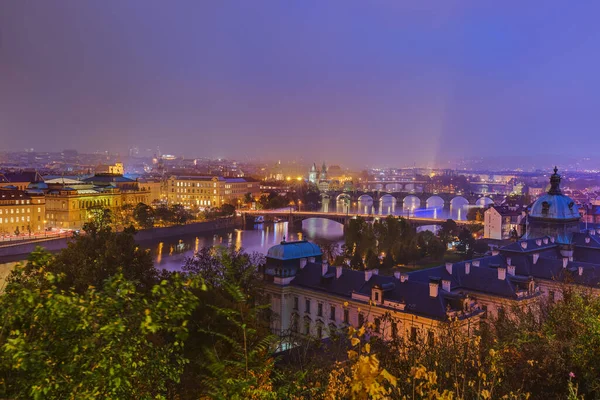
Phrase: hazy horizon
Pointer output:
(353, 83)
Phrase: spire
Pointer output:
(555, 183)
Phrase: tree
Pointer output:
(449, 230)
(99, 216)
(227, 210)
(248, 198)
(108, 343)
(475, 214)
(144, 215)
(17, 231)
(179, 215)
(466, 243)
(92, 258)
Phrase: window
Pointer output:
(376, 296)
(484, 308)
(319, 331)
(394, 330)
(332, 313)
(430, 338)
(361, 319)
(320, 309)
(307, 327)
(551, 295)
(295, 303)
(413, 334)
(307, 306)
(377, 325)
(346, 316)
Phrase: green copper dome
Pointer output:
(554, 204)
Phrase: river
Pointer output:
(170, 253)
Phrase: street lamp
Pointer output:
(299, 205)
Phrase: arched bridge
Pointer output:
(296, 217)
(417, 200)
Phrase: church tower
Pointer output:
(313, 174)
(323, 176)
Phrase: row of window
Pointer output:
(332, 310)
(194, 184)
(13, 219)
(18, 210)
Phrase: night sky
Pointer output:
(352, 82)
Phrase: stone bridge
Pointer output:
(416, 200)
(296, 217)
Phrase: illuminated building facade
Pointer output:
(20, 212)
(209, 191)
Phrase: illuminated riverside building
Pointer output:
(68, 202)
(20, 212)
(210, 191)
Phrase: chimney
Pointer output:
(545, 240)
(580, 270)
(552, 239)
(434, 287)
(446, 285)
(449, 268)
(536, 256)
(511, 270)
(565, 262)
(467, 268)
(302, 263)
(324, 268)
(476, 263)
(397, 274)
(587, 240)
(524, 245)
(538, 242)
(501, 273)
(508, 261)
(338, 272)
(375, 271)
(495, 252)
(311, 259)
(368, 274)
(592, 232)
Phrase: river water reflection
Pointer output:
(171, 253)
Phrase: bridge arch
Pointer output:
(459, 202)
(435, 202)
(484, 201)
(411, 202)
(343, 197)
(387, 198)
(365, 198)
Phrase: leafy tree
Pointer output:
(144, 215)
(449, 230)
(100, 217)
(248, 198)
(227, 210)
(475, 214)
(109, 343)
(179, 215)
(371, 260)
(92, 258)
(466, 243)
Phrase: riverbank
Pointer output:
(6, 252)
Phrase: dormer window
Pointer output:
(545, 208)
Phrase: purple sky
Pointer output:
(352, 82)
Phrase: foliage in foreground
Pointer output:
(109, 343)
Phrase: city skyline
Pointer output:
(411, 83)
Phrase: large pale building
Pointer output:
(210, 191)
(68, 202)
(20, 212)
